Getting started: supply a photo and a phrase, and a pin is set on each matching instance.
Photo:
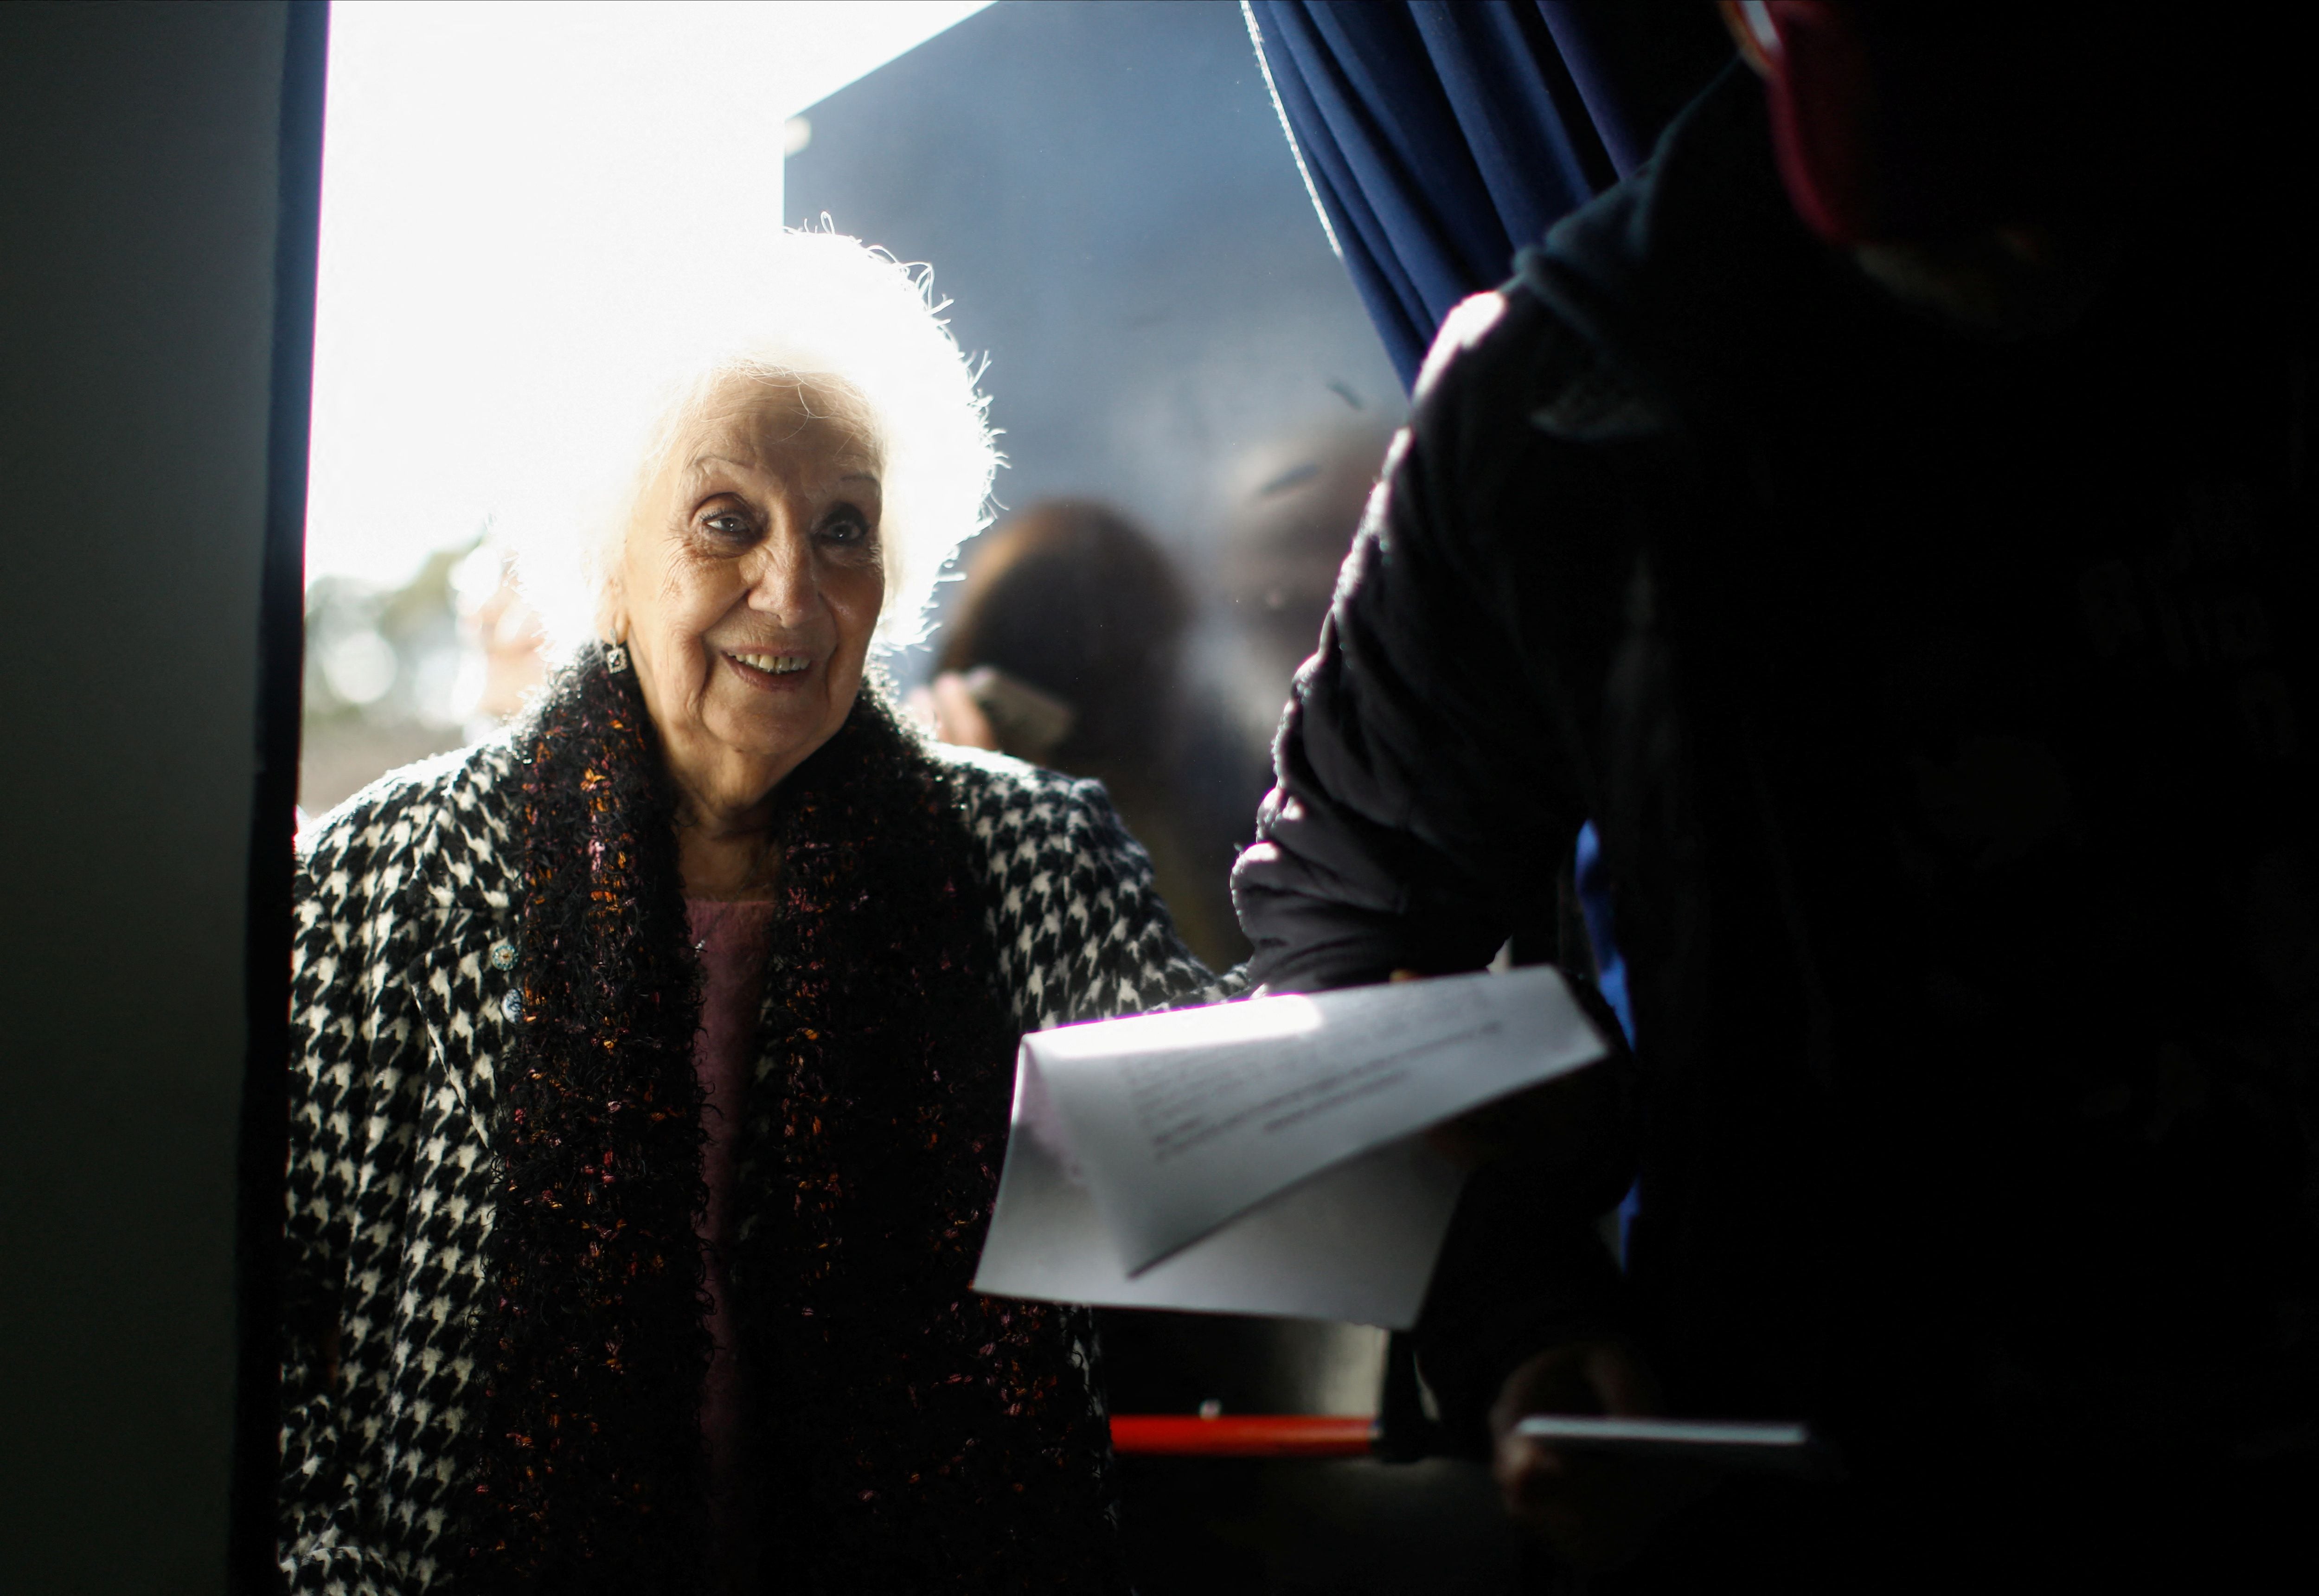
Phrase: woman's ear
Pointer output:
(611, 592)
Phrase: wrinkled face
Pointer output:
(750, 582)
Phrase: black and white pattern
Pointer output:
(401, 999)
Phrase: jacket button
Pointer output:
(503, 955)
(511, 1006)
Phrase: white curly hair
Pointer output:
(826, 310)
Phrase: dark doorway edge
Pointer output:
(281, 650)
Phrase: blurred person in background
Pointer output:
(1888, 518)
(509, 642)
(652, 1060)
(1292, 505)
(1066, 649)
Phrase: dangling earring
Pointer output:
(616, 658)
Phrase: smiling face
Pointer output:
(748, 586)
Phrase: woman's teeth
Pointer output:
(776, 664)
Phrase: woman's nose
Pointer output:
(784, 583)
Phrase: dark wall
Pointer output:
(1105, 192)
(136, 328)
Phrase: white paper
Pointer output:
(1356, 1243)
(1180, 1121)
(1262, 1156)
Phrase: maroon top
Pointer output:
(731, 940)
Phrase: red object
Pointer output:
(1241, 1435)
(1822, 95)
(1916, 119)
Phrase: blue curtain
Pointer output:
(1438, 137)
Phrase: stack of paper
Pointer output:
(1263, 1157)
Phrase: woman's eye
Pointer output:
(845, 525)
(727, 523)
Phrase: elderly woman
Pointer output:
(651, 1062)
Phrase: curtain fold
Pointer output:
(1438, 137)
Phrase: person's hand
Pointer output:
(1596, 1511)
(948, 712)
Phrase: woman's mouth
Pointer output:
(756, 666)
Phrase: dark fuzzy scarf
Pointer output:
(907, 1434)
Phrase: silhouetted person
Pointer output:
(1887, 518)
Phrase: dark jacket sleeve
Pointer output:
(1432, 777)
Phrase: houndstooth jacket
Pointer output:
(401, 1004)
